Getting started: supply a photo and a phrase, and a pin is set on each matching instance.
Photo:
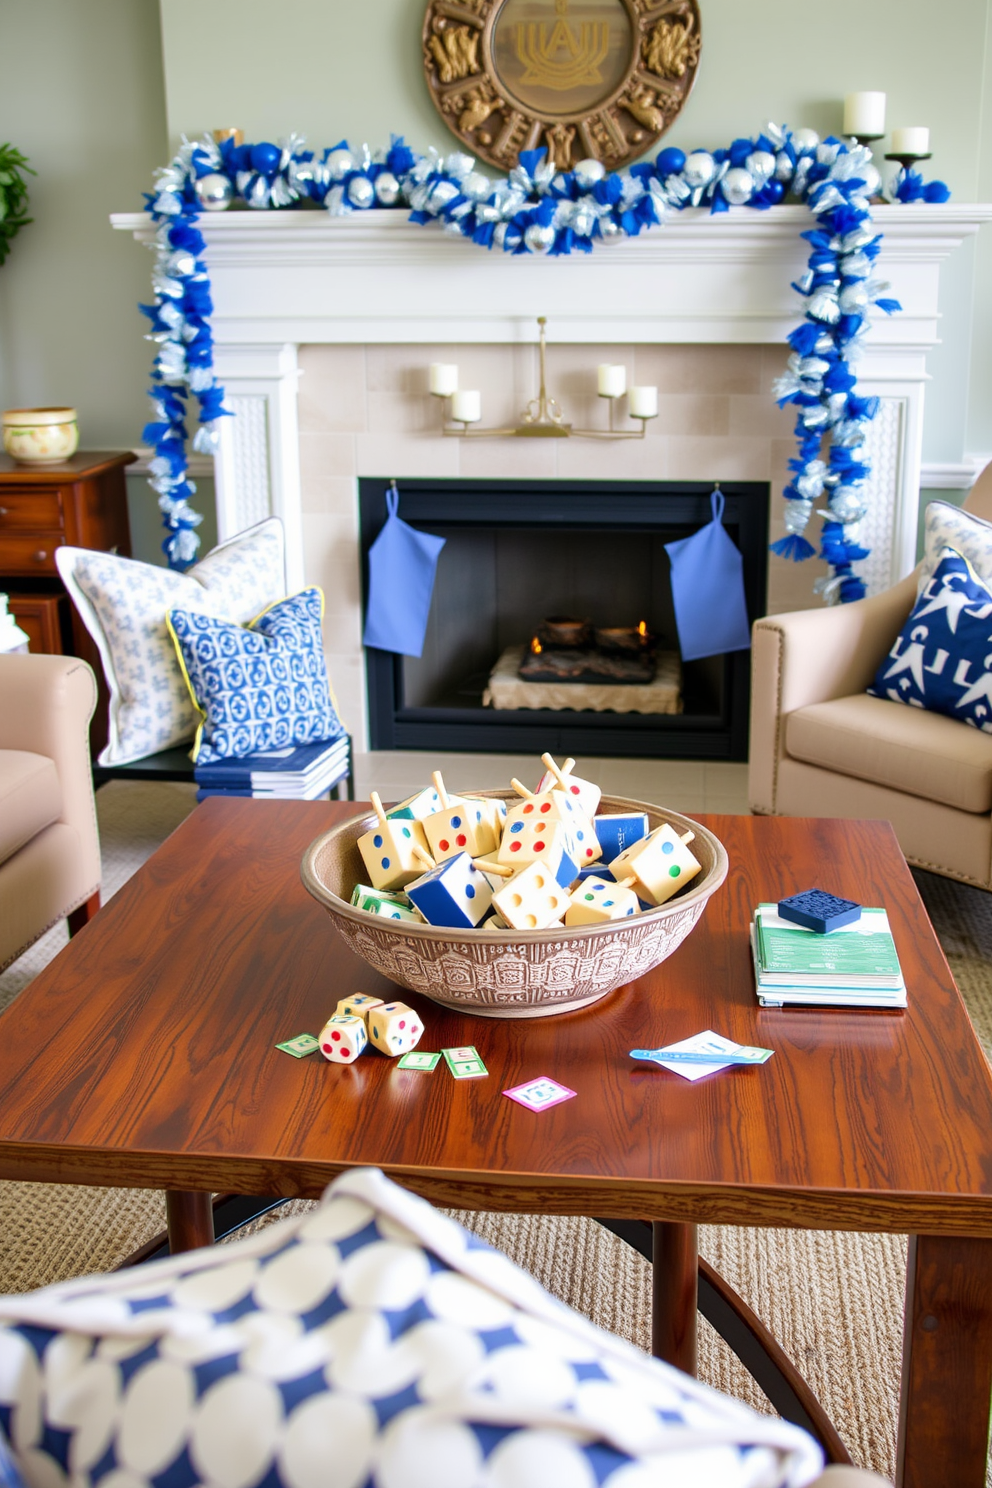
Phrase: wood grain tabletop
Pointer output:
(145, 1055)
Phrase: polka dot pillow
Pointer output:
(371, 1343)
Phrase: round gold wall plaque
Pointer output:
(584, 78)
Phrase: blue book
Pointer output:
(300, 762)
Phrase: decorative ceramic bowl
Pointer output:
(40, 436)
(511, 973)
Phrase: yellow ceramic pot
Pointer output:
(40, 436)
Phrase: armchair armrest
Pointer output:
(46, 703)
(812, 656)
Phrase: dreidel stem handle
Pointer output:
(501, 870)
(549, 762)
(521, 789)
(422, 856)
(378, 808)
(439, 787)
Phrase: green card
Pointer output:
(464, 1063)
(300, 1046)
(419, 1060)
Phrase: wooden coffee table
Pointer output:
(144, 1056)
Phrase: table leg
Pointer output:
(946, 1364)
(190, 1217)
(674, 1294)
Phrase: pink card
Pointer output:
(538, 1095)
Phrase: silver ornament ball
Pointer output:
(608, 228)
(214, 192)
(443, 193)
(761, 164)
(476, 186)
(361, 192)
(588, 172)
(805, 141)
(872, 179)
(339, 163)
(387, 189)
(737, 186)
(699, 169)
(539, 239)
(582, 222)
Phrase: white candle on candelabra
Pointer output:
(910, 141)
(466, 406)
(864, 113)
(642, 402)
(444, 378)
(612, 380)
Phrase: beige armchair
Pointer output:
(820, 746)
(49, 846)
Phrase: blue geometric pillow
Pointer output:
(942, 658)
(257, 687)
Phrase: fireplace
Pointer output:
(519, 550)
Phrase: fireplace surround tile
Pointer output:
(722, 457)
(332, 391)
(682, 368)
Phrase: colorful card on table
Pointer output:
(703, 1054)
(464, 1063)
(538, 1095)
(419, 1059)
(300, 1046)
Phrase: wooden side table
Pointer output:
(80, 502)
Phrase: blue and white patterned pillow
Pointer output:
(261, 686)
(947, 526)
(371, 1343)
(122, 603)
(942, 657)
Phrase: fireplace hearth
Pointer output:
(517, 549)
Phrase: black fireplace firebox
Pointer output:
(518, 551)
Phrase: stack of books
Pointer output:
(853, 966)
(296, 774)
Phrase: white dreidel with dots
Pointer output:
(394, 852)
(460, 826)
(582, 792)
(657, 866)
(534, 815)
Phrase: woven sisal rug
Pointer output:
(834, 1300)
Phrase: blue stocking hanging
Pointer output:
(402, 564)
(708, 589)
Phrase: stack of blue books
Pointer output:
(300, 773)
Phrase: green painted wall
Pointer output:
(97, 91)
(332, 69)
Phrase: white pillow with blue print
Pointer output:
(948, 526)
(123, 602)
(942, 657)
(370, 1343)
(260, 686)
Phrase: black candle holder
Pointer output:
(865, 139)
(908, 161)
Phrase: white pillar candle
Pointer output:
(444, 378)
(612, 380)
(642, 402)
(864, 113)
(466, 406)
(910, 141)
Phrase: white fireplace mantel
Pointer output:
(282, 280)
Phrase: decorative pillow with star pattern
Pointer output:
(942, 658)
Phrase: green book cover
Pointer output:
(864, 950)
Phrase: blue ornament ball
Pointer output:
(265, 159)
(669, 162)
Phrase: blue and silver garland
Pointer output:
(540, 210)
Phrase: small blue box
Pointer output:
(817, 910)
(617, 833)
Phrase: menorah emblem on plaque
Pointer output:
(578, 79)
(563, 59)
